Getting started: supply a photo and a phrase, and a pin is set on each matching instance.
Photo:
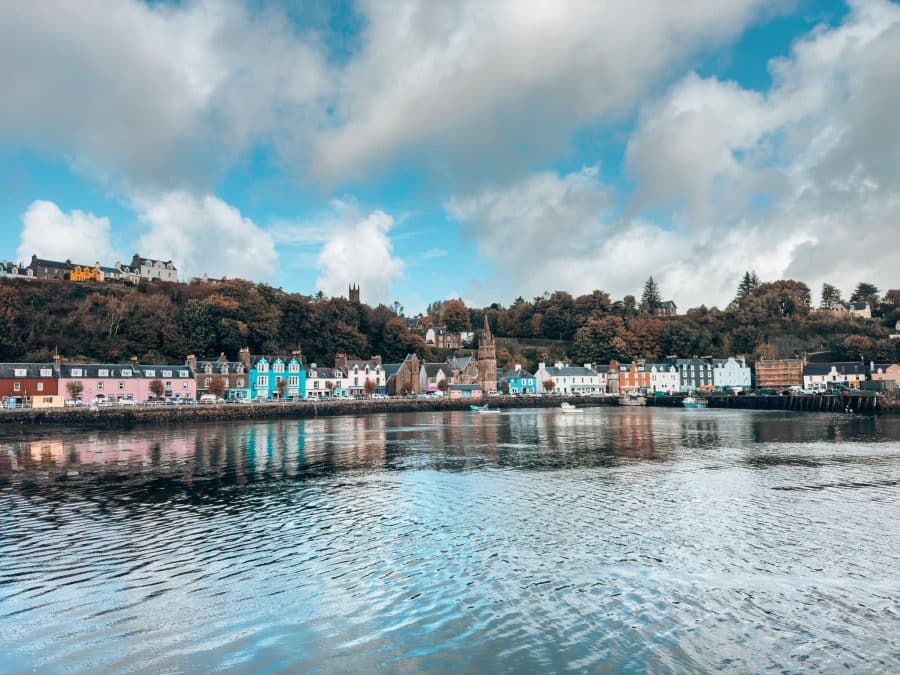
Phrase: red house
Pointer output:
(30, 382)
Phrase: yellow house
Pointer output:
(86, 273)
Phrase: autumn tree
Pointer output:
(217, 386)
(443, 386)
(157, 388)
(281, 386)
(831, 297)
(369, 386)
(455, 316)
(329, 386)
(549, 385)
(74, 389)
(504, 388)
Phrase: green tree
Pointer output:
(865, 292)
(749, 283)
(650, 299)
(831, 297)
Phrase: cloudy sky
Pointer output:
(460, 148)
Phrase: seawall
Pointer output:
(857, 403)
(85, 418)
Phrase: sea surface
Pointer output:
(624, 540)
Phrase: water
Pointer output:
(620, 540)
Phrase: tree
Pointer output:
(548, 385)
(504, 388)
(892, 297)
(157, 388)
(857, 347)
(831, 297)
(370, 386)
(749, 283)
(217, 386)
(281, 385)
(329, 385)
(455, 316)
(74, 388)
(443, 386)
(865, 292)
(651, 298)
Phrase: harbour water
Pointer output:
(618, 540)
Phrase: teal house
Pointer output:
(277, 377)
(519, 381)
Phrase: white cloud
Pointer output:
(204, 235)
(50, 233)
(359, 251)
(801, 180)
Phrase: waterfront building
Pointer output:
(568, 379)
(695, 374)
(455, 391)
(817, 376)
(235, 375)
(178, 380)
(519, 381)
(323, 383)
(731, 374)
(403, 378)
(273, 377)
(885, 371)
(34, 384)
(109, 381)
(431, 375)
(664, 377)
(631, 376)
(360, 371)
(779, 373)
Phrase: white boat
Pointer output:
(632, 398)
(568, 408)
(694, 402)
(483, 409)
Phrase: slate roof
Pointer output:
(859, 306)
(459, 362)
(92, 370)
(432, 369)
(465, 387)
(662, 366)
(570, 371)
(326, 373)
(692, 362)
(391, 369)
(179, 372)
(513, 374)
(667, 303)
(842, 367)
(55, 264)
(32, 370)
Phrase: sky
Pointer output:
(483, 150)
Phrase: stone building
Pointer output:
(403, 378)
(487, 360)
(778, 373)
(148, 268)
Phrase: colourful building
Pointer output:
(33, 384)
(518, 381)
(276, 377)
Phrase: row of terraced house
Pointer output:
(66, 270)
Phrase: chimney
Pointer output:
(134, 363)
(587, 366)
(541, 365)
(57, 362)
(377, 360)
(518, 367)
(244, 357)
(191, 362)
(558, 364)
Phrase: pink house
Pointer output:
(177, 381)
(132, 381)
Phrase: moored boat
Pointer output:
(568, 408)
(632, 398)
(483, 409)
(694, 402)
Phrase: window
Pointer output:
(262, 381)
(207, 368)
(46, 372)
(278, 368)
(75, 372)
(48, 399)
(40, 386)
(126, 372)
(17, 386)
(184, 373)
(262, 367)
(239, 382)
(294, 381)
(103, 372)
(315, 384)
(99, 386)
(121, 386)
(150, 373)
(167, 373)
(294, 368)
(20, 372)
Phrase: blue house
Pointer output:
(519, 381)
(268, 372)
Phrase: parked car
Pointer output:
(127, 402)
(73, 403)
(211, 399)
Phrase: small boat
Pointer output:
(483, 409)
(632, 398)
(568, 408)
(694, 402)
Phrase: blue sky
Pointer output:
(480, 150)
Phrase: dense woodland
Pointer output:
(163, 322)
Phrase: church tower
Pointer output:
(487, 359)
(354, 293)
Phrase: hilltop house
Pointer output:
(12, 270)
(148, 268)
(666, 308)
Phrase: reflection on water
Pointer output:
(618, 539)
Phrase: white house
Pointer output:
(431, 375)
(664, 377)
(731, 374)
(325, 382)
(817, 376)
(570, 380)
